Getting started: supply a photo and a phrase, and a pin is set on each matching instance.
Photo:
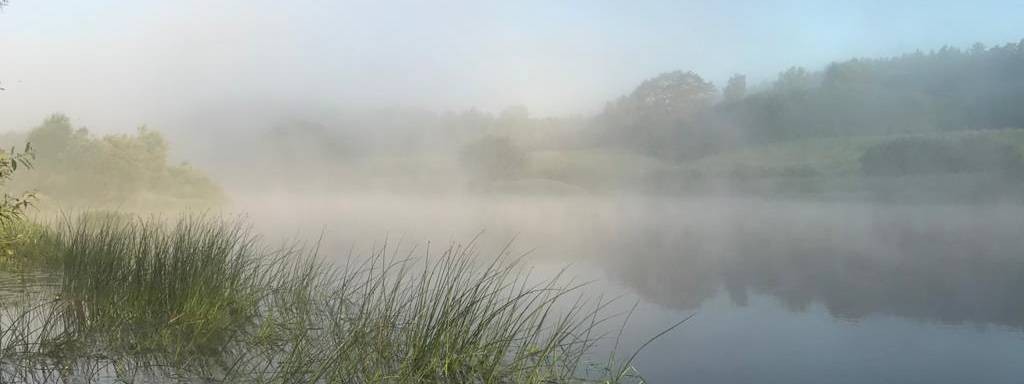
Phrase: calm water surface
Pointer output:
(783, 291)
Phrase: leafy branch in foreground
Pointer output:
(13, 206)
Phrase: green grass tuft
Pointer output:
(200, 298)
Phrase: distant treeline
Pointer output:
(679, 115)
(676, 123)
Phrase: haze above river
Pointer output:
(784, 291)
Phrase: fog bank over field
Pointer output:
(588, 97)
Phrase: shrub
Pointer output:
(909, 156)
(492, 158)
(13, 230)
(78, 168)
(12, 206)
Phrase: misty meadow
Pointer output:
(453, 192)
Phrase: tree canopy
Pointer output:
(77, 167)
(675, 114)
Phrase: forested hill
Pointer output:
(680, 115)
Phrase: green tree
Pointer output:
(77, 167)
(735, 89)
(661, 116)
(794, 79)
(675, 94)
(53, 136)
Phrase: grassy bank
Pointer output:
(202, 298)
(948, 167)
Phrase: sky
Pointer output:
(114, 65)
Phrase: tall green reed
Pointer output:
(200, 298)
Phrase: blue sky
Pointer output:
(128, 62)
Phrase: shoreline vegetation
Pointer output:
(932, 126)
(201, 298)
(78, 170)
(75, 168)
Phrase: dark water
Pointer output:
(783, 291)
(19, 286)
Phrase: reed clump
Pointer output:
(148, 286)
(200, 298)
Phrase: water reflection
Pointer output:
(942, 263)
(950, 264)
(24, 286)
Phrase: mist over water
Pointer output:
(835, 192)
(783, 290)
(919, 262)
